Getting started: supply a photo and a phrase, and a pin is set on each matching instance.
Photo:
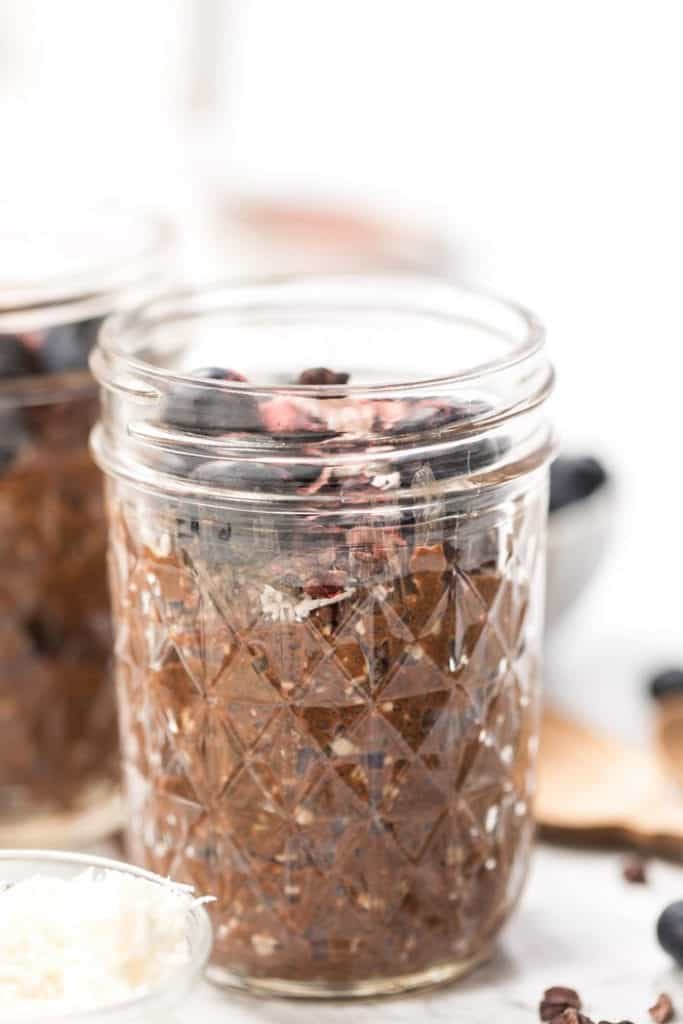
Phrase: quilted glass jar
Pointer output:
(328, 595)
(62, 270)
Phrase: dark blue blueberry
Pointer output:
(460, 461)
(241, 475)
(66, 348)
(12, 435)
(374, 759)
(666, 684)
(210, 410)
(15, 358)
(670, 930)
(574, 479)
(422, 416)
(219, 373)
(468, 459)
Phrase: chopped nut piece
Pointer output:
(263, 944)
(663, 1010)
(343, 747)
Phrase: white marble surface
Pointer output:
(579, 924)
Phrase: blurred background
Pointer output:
(530, 148)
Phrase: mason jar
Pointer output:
(328, 601)
(61, 272)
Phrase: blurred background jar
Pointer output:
(61, 271)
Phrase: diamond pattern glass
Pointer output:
(348, 774)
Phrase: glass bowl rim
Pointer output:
(183, 978)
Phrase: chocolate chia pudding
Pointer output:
(57, 712)
(328, 605)
(59, 276)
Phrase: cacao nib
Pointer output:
(321, 375)
(556, 1000)
(663, 1011)
(634, 870)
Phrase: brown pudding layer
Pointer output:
(332, 729)
(58, 736)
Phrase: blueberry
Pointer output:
(460, 461)
(12, 435)
(241, 475)
(90, 329)
(219, 373)
(423, 414)
(66, 347)
(574, 479)
(15, 357)
(667, 683)
(670, 930)
(211, 410)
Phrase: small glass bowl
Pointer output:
(18, 865)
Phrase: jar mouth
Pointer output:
(317, 435)
(421, 297)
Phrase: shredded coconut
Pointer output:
(97, 939)
(278, 607)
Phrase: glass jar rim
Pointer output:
(130, 1009)
(97, 252)
(241, 293)
(351, 428)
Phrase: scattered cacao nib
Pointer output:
(556, 1000)
(663, 1010)
(634, 870)
(321, 375)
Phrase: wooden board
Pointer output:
(593, 787)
